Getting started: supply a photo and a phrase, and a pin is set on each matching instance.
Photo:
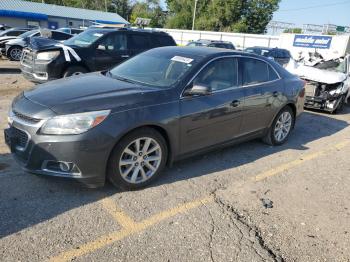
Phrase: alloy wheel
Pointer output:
(283, 126)
(16, 53)
(140, 160)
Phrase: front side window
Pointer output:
(219, 74)
(254, 71)
(113, 43)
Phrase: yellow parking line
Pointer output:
(127, 231)
(289, 165)
(123, 219)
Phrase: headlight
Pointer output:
(73, 124)
(47, 55)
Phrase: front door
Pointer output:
(110, 51)
(214, 118)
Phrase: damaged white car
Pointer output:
(327, 83)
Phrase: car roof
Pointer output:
(208, 41)
(107, 30)
(207, 51)
(266, 48)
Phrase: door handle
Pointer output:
(275, 94)
(125, 56)
(235, 103)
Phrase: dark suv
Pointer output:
(281, 56)
(92, 50)
(212, 43)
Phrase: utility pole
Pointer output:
(194, 13)
(106, 5)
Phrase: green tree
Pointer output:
(248, 16)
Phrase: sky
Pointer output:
(335, 12)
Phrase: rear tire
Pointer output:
(74, 70)
(14, 53)
(281, 127)
(138, 159)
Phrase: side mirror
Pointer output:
(198, 90)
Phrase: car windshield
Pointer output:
(29, 33)
(160, 70)
(85, 39)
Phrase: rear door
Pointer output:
(215, 118)
(110, 50)
(263, 94)
(138, 42)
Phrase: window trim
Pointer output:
(238, 70)
(265, 82)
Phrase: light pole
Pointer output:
(194, 13)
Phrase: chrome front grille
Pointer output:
(27, 59)
(25, 118)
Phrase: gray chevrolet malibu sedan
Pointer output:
(163, 105)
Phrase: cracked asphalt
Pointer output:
(207, 208)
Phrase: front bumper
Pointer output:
(39, 72)
(84, 157)
(312, 102)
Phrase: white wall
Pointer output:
(182, 37)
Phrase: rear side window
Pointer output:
(219, 74)
(164, 41)
(272, 74)
(254, 71)
(139, 41)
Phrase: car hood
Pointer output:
(42, 43)
(315, 74)
(91, 92)
(6, 38)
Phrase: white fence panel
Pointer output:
(182, 37)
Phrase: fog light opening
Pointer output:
(61, 167)
(65, 167)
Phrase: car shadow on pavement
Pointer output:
(309, 127)
(27, 200)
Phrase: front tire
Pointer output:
(281, 127)
(15, 53)
(138, 159)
